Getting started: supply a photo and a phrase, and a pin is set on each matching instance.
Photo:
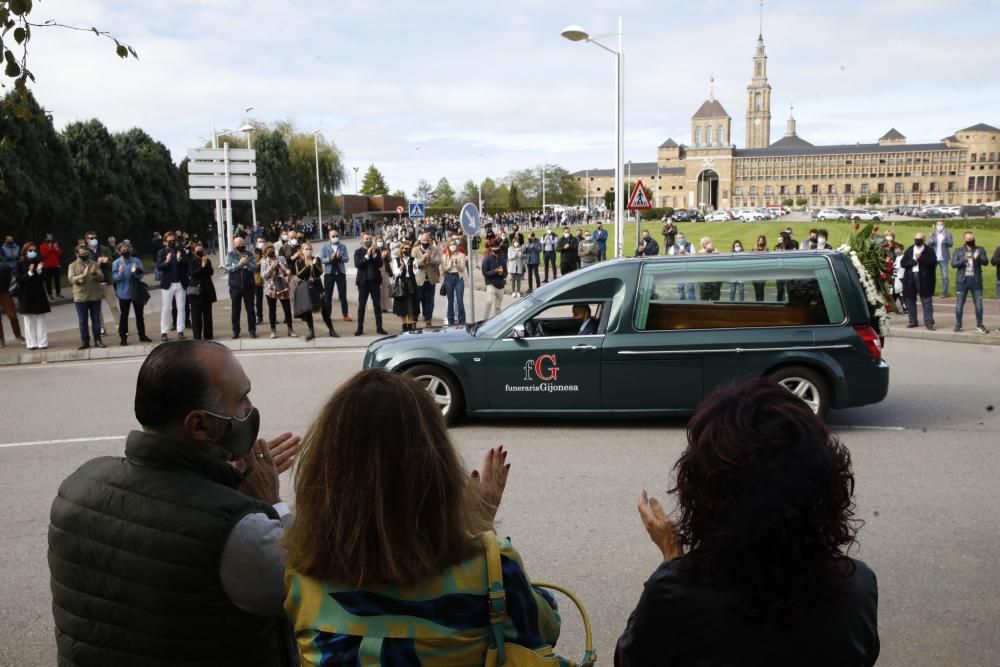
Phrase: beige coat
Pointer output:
(86, 277)
(428, 264)
(457, 261)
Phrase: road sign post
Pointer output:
(638, 201)
(471, 222)
(416, 210)
(222, 174)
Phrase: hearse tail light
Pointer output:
(870, 338)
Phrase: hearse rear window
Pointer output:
(737, 293)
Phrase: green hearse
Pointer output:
(653, 336)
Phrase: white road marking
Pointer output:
(64, 441)
(870, 428)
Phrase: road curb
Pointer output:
(141, 350)
(946, 336)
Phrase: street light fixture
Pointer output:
(575, 33)
(248, 130)
(319, 195)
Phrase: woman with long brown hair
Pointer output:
(309, 270)
(386, 559)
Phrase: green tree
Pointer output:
(39, 189)
(560, 187)
(399, 193)
(609, 198)
(278, 200)
(302, 167)
(15, 35)
(513, 198)
(801, 201)
(860, 200)
(443, 195)
(787, 201)
(490, 193)
(469, 193)
(109, 202)
(374, 183)
(874, 198)
(499, 196)
(157, 184)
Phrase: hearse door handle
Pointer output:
(584, 347)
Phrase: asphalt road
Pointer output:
(925, 461)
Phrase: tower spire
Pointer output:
(761, 33)
(711, 88)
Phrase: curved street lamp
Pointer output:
(575, 33)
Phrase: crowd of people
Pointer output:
(391, 555)
(400, 268)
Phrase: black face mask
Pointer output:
(919, 243)
(971, 244)
(171, 244)
(126, 254)
(83, 258)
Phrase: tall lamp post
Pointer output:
(319, 193)
(575, 33)
(248, 130)
(355, 180)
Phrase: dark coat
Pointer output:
(166, 268)
(996, 262)
(651, 249)
(201, 277)
(31, 297)
(978, 262)
(568, 250)
(923, 282)
(369, 268)
(490, 265)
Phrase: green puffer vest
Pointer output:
(134, 551)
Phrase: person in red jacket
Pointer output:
(52, 263)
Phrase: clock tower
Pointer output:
(759, 101)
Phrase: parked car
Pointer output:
(953, 211)
(976, 211)
(866, 216)
(831, 214)
(933, 212)
(681, 215)
(718, 216)
(653, 351)
(749, 215)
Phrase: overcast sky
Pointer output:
(460, 78)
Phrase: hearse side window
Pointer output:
(737, 293)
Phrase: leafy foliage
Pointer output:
(443, 195)
(374, 183)
(157, 182)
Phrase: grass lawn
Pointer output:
(724, 233)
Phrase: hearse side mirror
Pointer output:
(518, 332)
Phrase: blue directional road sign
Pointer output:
(416, 210)
(470, 219)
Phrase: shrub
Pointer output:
(801, 201)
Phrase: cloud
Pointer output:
(462, 79)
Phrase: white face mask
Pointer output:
(453, 248)
(566, 235)
(738, 248)
(284, 237)
(822, 239)
(380, 244)
(940, 227)
(294, 242)
(395, 253)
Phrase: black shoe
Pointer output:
(85, 346)
(99, 344)
(310, 335)
(359, 332)
(124, 341)
(333, 334)
(145, 339)
(235, 336)
(382, 331)
(180, 335)
(253, 334)
(958, 327)
(163, 338)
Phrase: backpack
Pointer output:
(503, 652)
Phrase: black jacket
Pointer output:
(679, 623)
(369, 268)
(174, 271)
(490, 265)
(996, 262)
(923, 282)
(651, 248)
(567, 248)
(31, 297)
(201, 277)
(134, 551)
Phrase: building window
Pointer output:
(767, 191)
(831, 189)
(951, 186)
(915, 187)
(972, 184)
(898, 188)
(848, 189)
(722, 136)
(800, 189)
(815, 189)
(783, 189)
(881, 188)
(864, 188)
(738, 191)
(753, 190)
(697, 136)
(934, 187)
(972, 157)
(989, 183)
(708, 135)
(993, 157)
(758, 98)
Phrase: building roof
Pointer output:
(844, 149)
(951, 138)
(980, 127)
(791, 141)
(710, 109)
(669, 143)
(639, 169)
(892, 134)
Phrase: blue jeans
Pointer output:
(737, 288)
(685, 291)
(91, 309)
(455, 288)
(944, 266)
(961, 291)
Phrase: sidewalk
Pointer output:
(944, 321)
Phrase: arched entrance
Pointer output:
(708, 189)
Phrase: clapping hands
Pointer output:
(660, 528)
(492, 479)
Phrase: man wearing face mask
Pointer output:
(427, 262)
(648, 247)
(369, 261)
(941, 242)
(919, 265)
(334, 256)
(241, 265)
(189, 523)
(125, 270)
(102, 257)
(969, 261)
(173, 283)
(568, 248)
(549, 242)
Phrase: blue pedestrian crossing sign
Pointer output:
(416, 210)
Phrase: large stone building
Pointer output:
(711, 172)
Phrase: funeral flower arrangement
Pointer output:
(868, 257)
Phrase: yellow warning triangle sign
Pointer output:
(638, 200)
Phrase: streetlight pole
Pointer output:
(248, 130)
(543, 188)
(355, 180)
(319, 195)
(577, 34)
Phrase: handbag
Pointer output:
(194, 290)
(280, 286)
(503, 652)
(140, 291)
(443, 291)
(398, 289)
(302, 301)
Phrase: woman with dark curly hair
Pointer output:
(755, 569)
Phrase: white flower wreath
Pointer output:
(872, 295)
